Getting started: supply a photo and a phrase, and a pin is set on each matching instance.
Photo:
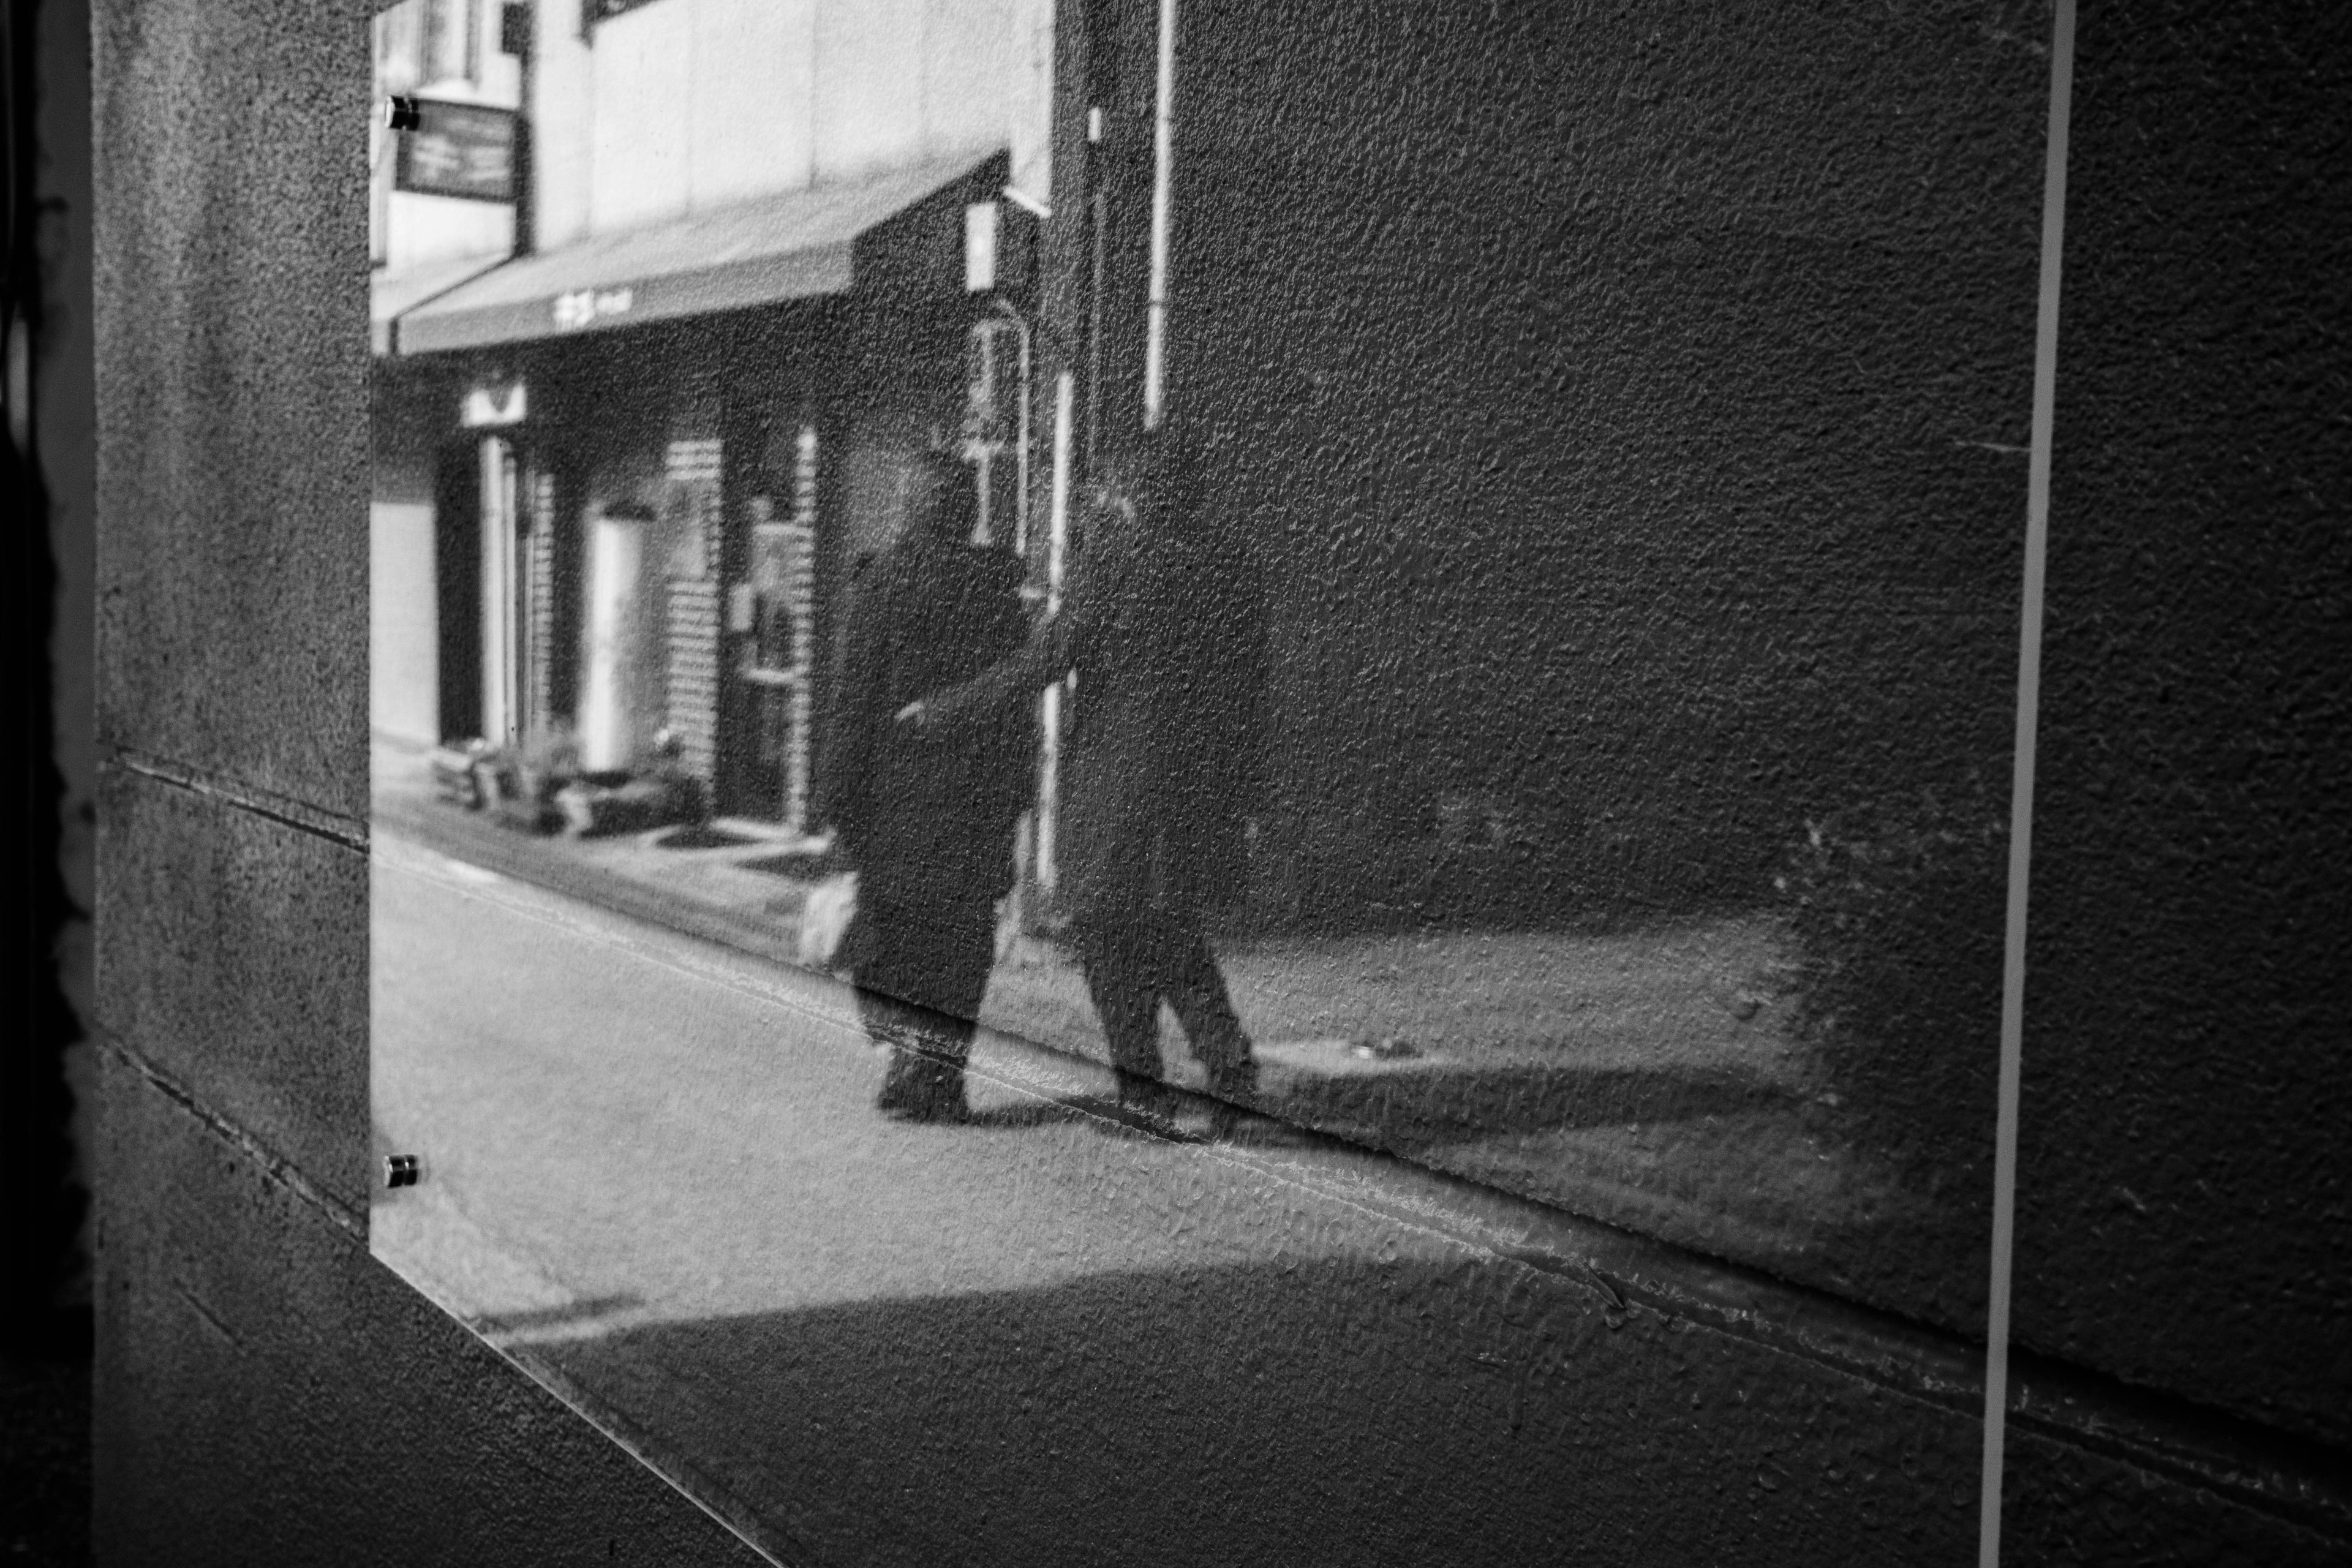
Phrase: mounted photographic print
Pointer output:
(975, 596)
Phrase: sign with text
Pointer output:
(578, 307)
(465, 150)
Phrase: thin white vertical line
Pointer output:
(2021, 805)
(1163, 159)
(1057, 515)
(511, 582)
(1057, 533)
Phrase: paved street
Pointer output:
(620, 1124)
(1642, 1076)
(1645, 1077)
(652, 1174)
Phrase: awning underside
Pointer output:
(392, 293)
(797, 245)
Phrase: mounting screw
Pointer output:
(400, 1170)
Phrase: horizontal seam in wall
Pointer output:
(274, 1167)
(347, 832)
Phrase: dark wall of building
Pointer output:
(2185, 1209)
(267, 1392)
(1633, 403)
(45, 470)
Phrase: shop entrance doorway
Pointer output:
(501, 579)
(768, 752)
(515, 574)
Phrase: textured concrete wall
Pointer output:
(1658, 377)
(404, 679)
(2185, 1206)
(269, 1393)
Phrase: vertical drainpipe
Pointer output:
(1057, 533)
(518, 31)
(1163, 157)
(1098, 264)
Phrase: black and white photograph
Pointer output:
(1176, 782)
(1428, 581)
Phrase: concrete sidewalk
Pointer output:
(702, 881)
(653, 1178)
(1696, 1002)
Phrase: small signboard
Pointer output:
(489, 407)
(465, 150)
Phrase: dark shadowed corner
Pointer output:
(45, 1343)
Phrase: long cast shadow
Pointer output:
(1411, 1110)
(1294, 1411)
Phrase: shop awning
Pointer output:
(798, 245)
(389, 293)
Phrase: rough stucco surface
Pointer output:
(231, 271)
(269, 1393)
(1646, 447)
(2061, 1505)
(266, 1390)
(2184, 1216)
(228, 954)
(1666, 371)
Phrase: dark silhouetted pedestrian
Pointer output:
(926, 818)
(1139, 804)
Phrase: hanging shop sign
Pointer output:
(489, 408)
(465, 150)
(1000, 244)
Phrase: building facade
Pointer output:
(1575, 460)
(654, 441)
(2181, 1232)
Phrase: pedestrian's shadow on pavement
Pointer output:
(1428, 1105)
(1027, 1114)
(1100, 1114)
(1416, 1108)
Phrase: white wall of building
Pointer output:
(425, 231)
(414, 231)
(403, 666)
(682, 106)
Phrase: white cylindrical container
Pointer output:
(615, 633)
